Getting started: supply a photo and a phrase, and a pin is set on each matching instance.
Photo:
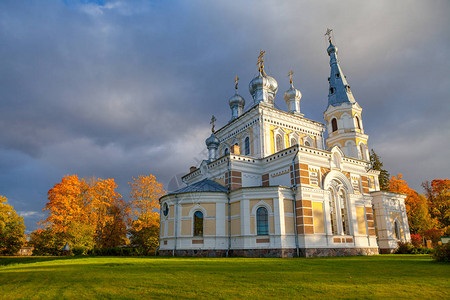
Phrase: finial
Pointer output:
(290, 76)
(329, 33)
(213, 119)
(236, 82)
(260, 62)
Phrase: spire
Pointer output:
(339, 89)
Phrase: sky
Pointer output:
(117, 89)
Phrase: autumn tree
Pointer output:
(85, 213)
(438, 196)
(12, 229)
(383, 178)
(109, 213)
(145, 194)
(416, 205)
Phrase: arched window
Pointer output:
(198, 223)
(247, 146)
(334, 125)
(226, 151)
(344, 213)
(279, 142)
(307, 144)
(333, 217)
(358, 124)
(262, 221)
(293, 142)
(396, 230)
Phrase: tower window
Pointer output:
(338, 75)
(358, 123)
(262, 221)
(198, 223)
(247, 146)
(331, 90)
(279, 144)
(334, 126)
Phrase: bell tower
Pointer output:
(343, 115)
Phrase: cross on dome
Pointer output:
(213, 119)
(290, 76)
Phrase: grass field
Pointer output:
(383, 276)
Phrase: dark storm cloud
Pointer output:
(122, 88)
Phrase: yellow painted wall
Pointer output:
(361, 220)
(319, 226)
(186, 226)
(289, 224)
(171, 211)
(256, 201)
(288, 206)
(210, 208)
(235, 208)
(235, 226)
(185, 209)
(170, 228)
(210, 227)
(271, 224)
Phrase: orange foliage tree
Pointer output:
(86, 213)
(438, 195)
(145, 194)
(416, 205)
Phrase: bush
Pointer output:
(405, 248)
(442, 253)
(416, 240)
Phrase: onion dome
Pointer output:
(236, 100)
(212, 141)
(263, 87)
(292, 97)
(292, 93)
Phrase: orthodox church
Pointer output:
(274, 186)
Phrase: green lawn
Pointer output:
(383, 276)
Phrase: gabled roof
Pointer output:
(205, 185)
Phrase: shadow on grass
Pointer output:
(17, 260)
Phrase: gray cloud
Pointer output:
(123, 88)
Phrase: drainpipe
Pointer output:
(294, 192)
(176, 225)
(229, 207)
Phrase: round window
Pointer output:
(165, 209)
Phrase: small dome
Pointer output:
(332, 49)
(261, 82)
(237, 100)
(212, 141)
(292, 93)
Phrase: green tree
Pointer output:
(12, 229)
(384, 176)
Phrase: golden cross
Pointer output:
(236, 82)
(328, 33)
(290, 76)
(260, 62)
(213, 119)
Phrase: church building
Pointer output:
(277, 184)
